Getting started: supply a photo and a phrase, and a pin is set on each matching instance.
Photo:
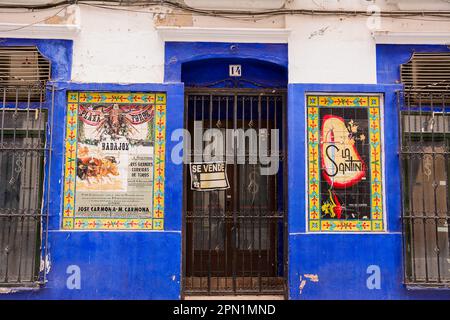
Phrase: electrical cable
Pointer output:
(249, 18)
(245, 15)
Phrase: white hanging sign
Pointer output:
(207, 176)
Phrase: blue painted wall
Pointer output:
(255, 74)
(126, 265)
(341, 260)
(390, 57)
(114, 265)
(178, 54)
(147, 265)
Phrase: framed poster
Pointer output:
(345, 173)
(114, 161)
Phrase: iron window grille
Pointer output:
(425, 149)
(25, 139)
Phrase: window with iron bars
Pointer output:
(23, 152)
(424, 108)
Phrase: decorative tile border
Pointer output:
(315, 221)
(153, 222)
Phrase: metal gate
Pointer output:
(24, 157)
(235, 239)
(425, 148)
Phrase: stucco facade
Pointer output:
(135, 49)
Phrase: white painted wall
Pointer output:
(117, 46)
(125, 47)
(330, 50)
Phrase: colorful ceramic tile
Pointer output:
(345, 187)
(114, 161)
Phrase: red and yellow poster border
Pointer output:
(153, 222)
(376, 221)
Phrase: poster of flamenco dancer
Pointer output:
(112, 170)
(345, 164)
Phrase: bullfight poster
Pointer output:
(114, 166)
(345, 173)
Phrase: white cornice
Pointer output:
(389, 37)
(38, 31)
(249, 35)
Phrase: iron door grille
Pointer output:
(24, 156)
(425, 149)
(234, 239)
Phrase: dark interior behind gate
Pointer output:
(235, 238)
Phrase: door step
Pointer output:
(248, 285)
(237, 297)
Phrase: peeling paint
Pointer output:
(174, 19)
(7, 290)
(4, 290)
(45, 263)
(68, 16)
(308, 276)
(57, 20)
(302, 284)
(312, 277)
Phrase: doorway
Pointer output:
(234, 237)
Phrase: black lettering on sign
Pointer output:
(209, 176)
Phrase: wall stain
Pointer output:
(319, 32)
(173, 19)
(307, 277)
